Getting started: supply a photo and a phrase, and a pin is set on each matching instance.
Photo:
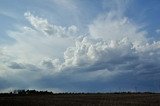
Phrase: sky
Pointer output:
(80, 45)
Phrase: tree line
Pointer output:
(28, 92)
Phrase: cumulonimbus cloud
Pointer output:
(114, 47)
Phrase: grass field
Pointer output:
(69, 99)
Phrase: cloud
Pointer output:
(45, 56)
(33, 44)
(115, 25)
(42, 25)
(91, 55)
(15, 65)
(111, 27)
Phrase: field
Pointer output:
(81, 99)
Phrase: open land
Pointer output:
(81, 99)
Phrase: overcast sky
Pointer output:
(80, 45)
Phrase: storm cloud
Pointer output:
(114, 55)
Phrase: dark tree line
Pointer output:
(35, 92)
(24, 92)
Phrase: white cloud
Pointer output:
(111, 27)
(42, 25)
(44, 40)
(90, 55)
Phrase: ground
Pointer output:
(81, 99)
